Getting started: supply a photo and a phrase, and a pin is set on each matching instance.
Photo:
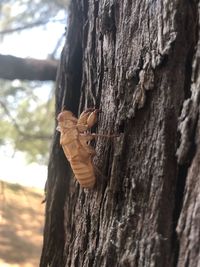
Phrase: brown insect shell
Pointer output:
(78, 157)
(82, 120)
(65, 115)
(92, 119)
(74, 149)
(82, 128)
(68, 140)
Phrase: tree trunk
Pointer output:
(27, 68)
(138, 62)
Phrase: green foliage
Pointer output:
(26, 121)
(26, 111)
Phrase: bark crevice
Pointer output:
(187, 126)
(59, 173)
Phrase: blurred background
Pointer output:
(32, 34)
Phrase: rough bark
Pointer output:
(189, 159)
(27, 68)
(132, 60)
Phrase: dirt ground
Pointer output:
(21, 225)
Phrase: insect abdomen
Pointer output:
(84, 173)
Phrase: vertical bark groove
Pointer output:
(68, 96)
(187, 149)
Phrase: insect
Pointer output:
(74, 140)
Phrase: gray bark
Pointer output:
(134, 60)
(189, 156)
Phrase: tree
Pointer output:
(27, 68)
(138, 61)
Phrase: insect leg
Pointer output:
(84, 139)
(87, 119)
(84, 116)
(92, 118)
(94, 135)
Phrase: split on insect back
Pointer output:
(74, 139)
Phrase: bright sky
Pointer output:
(36, 43)
(14, 169)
